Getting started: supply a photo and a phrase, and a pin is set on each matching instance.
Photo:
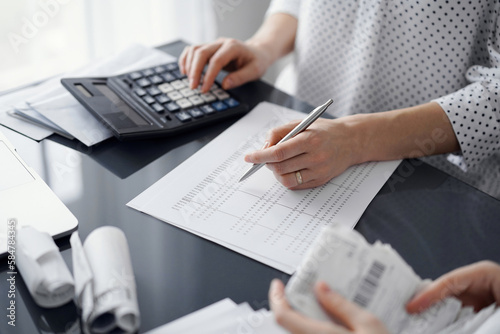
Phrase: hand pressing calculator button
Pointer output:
(153, 102)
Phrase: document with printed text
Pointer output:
(376, 277)
(258, 217)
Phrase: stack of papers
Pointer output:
(376, 278)
(224, 316)
(48, 108)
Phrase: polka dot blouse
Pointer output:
(380, 55)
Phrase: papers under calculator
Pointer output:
(152, 102)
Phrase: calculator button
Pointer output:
(156, 79)
(166, 88)
(183, 116)
(195, 112)
(184, 103)
(143, 82)
(153, 91)
(196, 100)
(221, 95)
(178, 74)
(187, 92)
(186, 82)
(160, 69)
(178, 84)
(219, 106)
(231, 102)
(158, 107)
(140, 92)
(168, 77)
(148, 72)
(214, 87)
(207, 109)
(148, 99)
(171, 67)
(172, 106)
(162, 99)
(135, 75)
(207, 97)
(175, 95)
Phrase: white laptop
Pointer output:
(26, 199)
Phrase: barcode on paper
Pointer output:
(369, 284)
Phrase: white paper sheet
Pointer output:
(189, 321)
(375, 277)
(63, 109)
(31, 115)
(56, 104)
(223, 317)
(30, 130)
(470, 323)
(257, 217)
(491, 325)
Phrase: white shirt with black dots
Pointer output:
(379, 55)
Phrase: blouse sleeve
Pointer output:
(474, 111)
(291, 7)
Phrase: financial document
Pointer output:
(258, 217)
(54, 109)
(375, 277)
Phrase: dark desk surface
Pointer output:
(434, 221)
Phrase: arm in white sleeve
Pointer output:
(474, 111)
(291, 7)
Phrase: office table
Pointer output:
(436, 222)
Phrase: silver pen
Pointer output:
(313, 115)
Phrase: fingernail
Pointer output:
(228, 83)
(266, 145)
(204, 87)
(323, 287)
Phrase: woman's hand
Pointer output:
(350, 317)
(246, 60)
(476, 285)
(328, 147)
(321, 152)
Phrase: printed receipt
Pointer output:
(105, 289)
(374, 277)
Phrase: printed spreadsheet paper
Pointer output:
(257, 217)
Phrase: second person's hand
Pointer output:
(476, 285)
(350, 318)
(246, 61)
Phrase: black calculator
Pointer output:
(152, 102)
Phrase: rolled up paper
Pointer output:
(43, 269)
(105, 284)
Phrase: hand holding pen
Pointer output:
(312, 157)
(313, 115)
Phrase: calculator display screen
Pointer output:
(120, 105)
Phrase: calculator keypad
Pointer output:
(164, 91)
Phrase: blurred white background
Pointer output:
(41, 38)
